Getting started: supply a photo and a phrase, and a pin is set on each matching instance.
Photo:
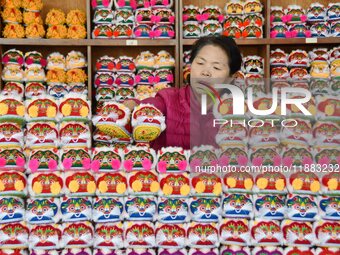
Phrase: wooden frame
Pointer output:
(93, 47)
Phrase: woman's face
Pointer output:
(209, 67)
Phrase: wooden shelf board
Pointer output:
(89, 42)
(132, 42)
(330, 40)
(273, 41)
(238, 41)
(45, 42)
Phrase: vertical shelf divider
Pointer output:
(180, 42)
(267, 69)
(177, 46)
(1, 52)
(89, 72)
(268, 48)
(88, 19)
(267, 19)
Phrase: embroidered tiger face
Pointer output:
(78, 234)
(125, 64)
(164, 14)
(41, 210)
(112, 180)
(205, 209)
(140, 235)
(267, 232)
(191, 30)
(251, 7)
(328, 233)
(237, 205)
(333, 11)
(13, 106)
(266, 131)
(297, 154)
(172, 160)
(124, 93)
(9, 132)
(232, 131)
(327, 131)
(146, 178)
(213, 13)
(176, 181)
(280, 29)
(76, 209)
(34, 89)
(77, 157)
(209, 180)
(278, 54)
(332, 154)
(73, 130)
(190, 13)
(43, 105)
(76, 105)
(105, 94)
(43, 132)
(47, 181)
(45, 236)
(234, 8)
(105, 159)
(255, 65)
(137, 157)
(302, 129)
(172, 210)
(298, 233)
(233, 154)
(271, 206)
(146, 14)
(11, 155)
(207, 157)
(331, 207)
(11, 209)
(235, 231)
(170, 235)
(273, 180)
(202, 235)
(212, 28)
(140, 208)
(44, 156)
(13, 234)
(82, 178)
(277, 13)
(301, 207)
(267, 154)
(317, 11)
(107, 209)
(109, 236)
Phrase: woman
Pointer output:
(213, 61)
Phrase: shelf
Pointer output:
(284, 41)
(265, 41)
(45, 42)
(132, 42)
(89, 42)
(238, 41)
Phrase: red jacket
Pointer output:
(185, 126)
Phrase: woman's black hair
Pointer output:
(225, 43)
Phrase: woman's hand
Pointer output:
(130, 104)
